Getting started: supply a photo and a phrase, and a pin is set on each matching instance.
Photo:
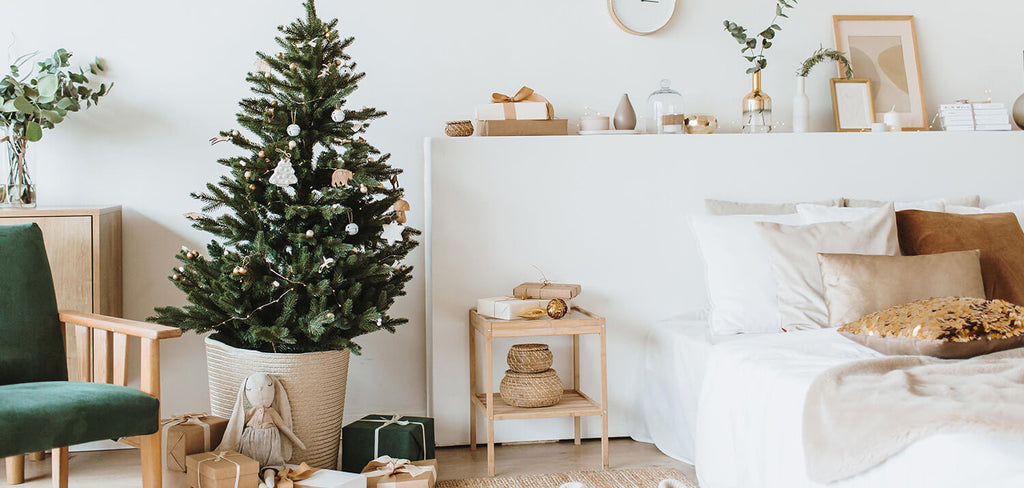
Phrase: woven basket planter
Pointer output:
(531, 390)
(315, 382)
(530, 358)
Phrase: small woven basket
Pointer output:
(530, 358)
(531, 390)
(459, 128)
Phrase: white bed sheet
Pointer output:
(676, 355)
(750, 423)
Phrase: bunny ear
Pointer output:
(283, 408)
(233, 432)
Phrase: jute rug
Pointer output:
(625, 478)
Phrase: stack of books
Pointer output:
(974, 116)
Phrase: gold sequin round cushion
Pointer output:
(951, 328)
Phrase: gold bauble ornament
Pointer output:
(235, 133)
(242, 271)
(532, 314)
(309, 233)
(175, 277)
(279, 55)
(248, 174)
(557, 308)
(330, 316)
(261, 154)
(252, 187)
(292, 144)
(293, 66)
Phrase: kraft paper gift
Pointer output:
(387, 472)
(303, 476)
(524, 105)
(386, 435)
(547, 290)
(222, 469)
(555, 127)
(509, 308)
(181, 435)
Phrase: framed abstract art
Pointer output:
(883, 48)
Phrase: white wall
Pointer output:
(179, 68)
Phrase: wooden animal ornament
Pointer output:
(264, 432)
(341, 177)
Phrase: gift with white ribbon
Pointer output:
(222, 469)
(388, 472)
(392, 435)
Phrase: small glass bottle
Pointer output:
(665, 102)
(757, 109)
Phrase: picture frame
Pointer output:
(853, 104)
(883, 48)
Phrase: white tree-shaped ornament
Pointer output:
(284, 174)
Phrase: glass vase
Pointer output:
(18, 190)
(757, 109)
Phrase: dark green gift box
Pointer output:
(400, 438)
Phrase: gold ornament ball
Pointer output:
(248, 174)
(293, 66)
(261, 154)
(557, 308)
(292, 144)
(330, 316)
(309, 233)
(252, 187)
(175, 277)
(242, 271)
(279, 55)
(235, 133)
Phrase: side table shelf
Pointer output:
(574, 402)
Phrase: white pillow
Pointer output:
(813, 214)
(740, 284)
(1014, 207)
(793, 252)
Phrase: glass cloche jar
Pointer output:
(666, 105)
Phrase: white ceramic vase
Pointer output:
(801, 107)
(315, 383)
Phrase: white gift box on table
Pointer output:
(512, 111)
(328, 478)
(509, 308)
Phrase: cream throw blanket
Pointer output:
(858, 415)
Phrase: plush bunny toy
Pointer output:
(264, 433)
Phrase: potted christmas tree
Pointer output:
(308, 237)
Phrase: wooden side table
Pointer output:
(574, 402)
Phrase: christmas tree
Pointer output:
(308, 235)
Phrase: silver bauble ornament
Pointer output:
(294, 130)
(352, 229)
(338, 115)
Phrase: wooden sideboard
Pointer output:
(84, 248)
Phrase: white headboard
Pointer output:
(609, 212)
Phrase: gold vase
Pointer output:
(757, 109)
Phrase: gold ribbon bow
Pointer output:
(387, 467)
(287, 477)
(525, 94)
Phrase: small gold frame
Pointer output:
(870, 101)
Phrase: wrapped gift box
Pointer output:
(182, 435)
(554, 127)
(547, 290)
(512, 111)
(320, 478)
(402, 478)
(374, 436)
(222, 469)
(509, 308)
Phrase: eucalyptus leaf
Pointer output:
(24, 106)
(52, 117)
(33, 131)
(64, 103)
(47, 86)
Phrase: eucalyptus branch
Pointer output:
(821, 55)
(763, 39)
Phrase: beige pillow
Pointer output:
(726, 207)
(793, 251)
(965, 201)
(948, 328)
(857, 285)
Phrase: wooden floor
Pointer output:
(120, 469)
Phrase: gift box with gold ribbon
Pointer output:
(222, 469)
(546, 290)
(387, 472)
(526, 104)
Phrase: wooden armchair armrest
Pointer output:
(132, 328)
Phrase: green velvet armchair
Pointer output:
(40, 409)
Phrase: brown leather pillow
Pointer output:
(998, 236)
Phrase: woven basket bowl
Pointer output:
(531, 390)
(315, 383)
(459, 128)
(530, 358)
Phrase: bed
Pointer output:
(734, 407)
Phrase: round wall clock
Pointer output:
(641, 17)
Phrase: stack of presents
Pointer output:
(378, 451)
(526, 113)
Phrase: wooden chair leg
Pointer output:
(37, 456)
(15, 469)
(60, 467)
(151, 468)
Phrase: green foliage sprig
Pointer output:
(756, 45)
(821, 55)
(42, 98)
